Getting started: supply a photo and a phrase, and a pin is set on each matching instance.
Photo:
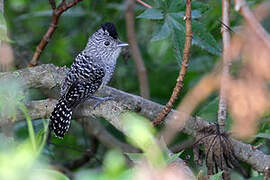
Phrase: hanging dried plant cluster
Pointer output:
(218, 151)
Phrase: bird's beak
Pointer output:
(122, 44)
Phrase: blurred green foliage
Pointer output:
(21, 159)
(3, 29)
(160, 34)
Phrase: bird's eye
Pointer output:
(106, 43)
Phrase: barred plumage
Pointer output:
(92, 69)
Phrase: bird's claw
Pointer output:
(100, 100)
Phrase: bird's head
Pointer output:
(105, 44)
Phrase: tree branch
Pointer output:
(180, 80)
(222, 108)
(52, 3)
(54, 23)
(144, 4)
(140, 67)
(50, 77)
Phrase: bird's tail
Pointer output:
(60, 118)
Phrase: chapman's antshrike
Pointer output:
(92, 69)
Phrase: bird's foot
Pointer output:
(100, 100)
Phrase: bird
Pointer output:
(92, 69)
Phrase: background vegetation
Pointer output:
(160, 35)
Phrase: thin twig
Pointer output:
(200, 92)
(140, 67)
(54, 23)
(222, 110)
(180, 80)
(144, 4)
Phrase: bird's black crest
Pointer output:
(111, 29)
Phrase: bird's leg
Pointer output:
(100, 100)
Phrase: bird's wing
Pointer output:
(83, 80)
(83, 69)
(80, 91)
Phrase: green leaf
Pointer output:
(196, 14)
(178, 36)
(176, 5)
(263, 135)
(42, 136)
(163, 33)
(173, 157)
(203, 39)
(31, 131)
(174, 21)
(178, 39)
(151, 14)
(216, 176)
(159, 3)
(201, 6)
